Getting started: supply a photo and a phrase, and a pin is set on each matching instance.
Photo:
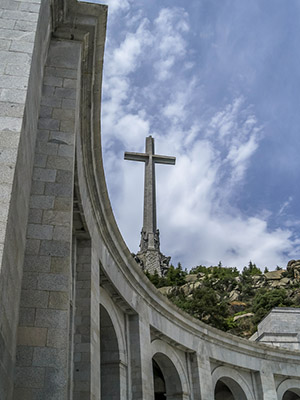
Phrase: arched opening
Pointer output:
(110, 358)
(167, 383)
(291, 394)
(228, 389)
(222, 392)
(289, 389)
(159, 383)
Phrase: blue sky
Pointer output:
(217, 85)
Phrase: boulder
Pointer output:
(191, 278)
(285, 281)
(234, 295)
(293, 263)
(166, 290)
(275, 284)
(293, 268)
(258, 281)
(249, 314)
(274, 275)
(197, 284)
(186, 289)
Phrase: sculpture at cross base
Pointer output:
(149, 257)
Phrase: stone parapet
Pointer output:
(280, 328)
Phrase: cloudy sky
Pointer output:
(216, 83)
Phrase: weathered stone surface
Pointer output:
(47, 318)
(274, 275)
(53, 282)
(247, 315)
(30, 377)
(24, 356)
(55, 248)
(191, 278)
(234, 295)
(32, 336)
(165, 290)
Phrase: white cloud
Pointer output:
(285, 205)
(198, 223)
(125, 59)
(239, 155)
(176, 107)
(116, 6)
(170, 26)
(194, 210)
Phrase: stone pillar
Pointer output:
(43, 336)
(22, 40)
(82, 322)
(95, 326)
(140, 359)
(267, 382)
(201, 377)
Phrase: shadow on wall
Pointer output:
(292, 394)
(228, 389)
(110, 358)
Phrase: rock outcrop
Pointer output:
(237, 293)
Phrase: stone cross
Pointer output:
(150, 237)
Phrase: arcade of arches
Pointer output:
(167, 382)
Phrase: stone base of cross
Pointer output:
(153, 261)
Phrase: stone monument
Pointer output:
(149, 257)
(78, 318)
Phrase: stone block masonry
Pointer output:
(46, 285)
(24, 37)
(81, 373)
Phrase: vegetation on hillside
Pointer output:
(227, 299)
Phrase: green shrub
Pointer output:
(265, 300)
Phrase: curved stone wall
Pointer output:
(200, 355)
(91, 325)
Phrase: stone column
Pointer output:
(267, 382)
(201, 377)
(43, 336)
(95, 326)
(140, 359)
(82, 323)
(22, 39)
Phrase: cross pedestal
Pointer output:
(149, 256)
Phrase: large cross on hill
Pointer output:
(149, 235)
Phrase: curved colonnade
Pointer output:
(124, 339)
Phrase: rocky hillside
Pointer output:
(228, 299)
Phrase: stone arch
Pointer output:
(112, 375)
(172, 370)
(232, 385)
(289, 389)
(107, 303)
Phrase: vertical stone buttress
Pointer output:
(201, 375)
(140, 360)
(43, 334)
(24, 37)
(85, 386)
